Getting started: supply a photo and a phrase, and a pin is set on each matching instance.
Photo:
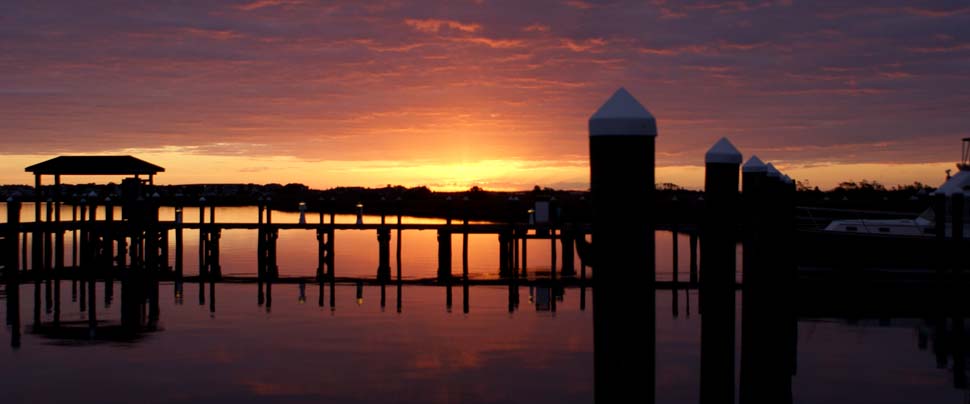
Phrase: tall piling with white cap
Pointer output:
(718, 235)
(622, 137)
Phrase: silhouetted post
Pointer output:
(37, 245)
(525, 253)
(675, 255)
(722, 164)
(59, 231)
(12, 259)
(215, 267)
(259, 209)
(74, 241)
(692, 262)
(552, 251)
(621, 142)
(202, 242)
(302, 208)
(444, 253)
(384, 253)
(464, 242)
(321, 253)
(330, 251)
(568, 250)
(505, 267)
(94, 235)
(48, 242)
(109, 251)
(179, 244)
(398, 260)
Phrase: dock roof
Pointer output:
(95, 165)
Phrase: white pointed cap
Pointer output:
(754, 165)
(772, 171)
(723, 152)
(622, 115)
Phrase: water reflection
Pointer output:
(800, 342)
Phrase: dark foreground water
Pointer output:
(289, 349)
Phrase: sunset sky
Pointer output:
(451, 94)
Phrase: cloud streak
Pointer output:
(805, 82)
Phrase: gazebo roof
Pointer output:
(94, 165)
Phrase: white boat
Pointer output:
(923, 225)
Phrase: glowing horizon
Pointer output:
(469, 94)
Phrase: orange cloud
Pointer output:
(432, 26)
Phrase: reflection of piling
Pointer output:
(719, 225)
(621, 143)
(13, 310)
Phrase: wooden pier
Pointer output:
(100, 244)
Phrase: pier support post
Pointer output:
(12, 248)
(58, 232)
(621, 148)
(321, 254)
(215, 267)
(37, 243)
(505, 241)
(384, 253)
(568, 239)
(692, 264)
(444, 253)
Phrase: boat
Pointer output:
(923, 225)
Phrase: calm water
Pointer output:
(240, 346)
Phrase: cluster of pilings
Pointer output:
(622, 137)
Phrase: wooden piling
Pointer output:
(621, 148)
(719, 225)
